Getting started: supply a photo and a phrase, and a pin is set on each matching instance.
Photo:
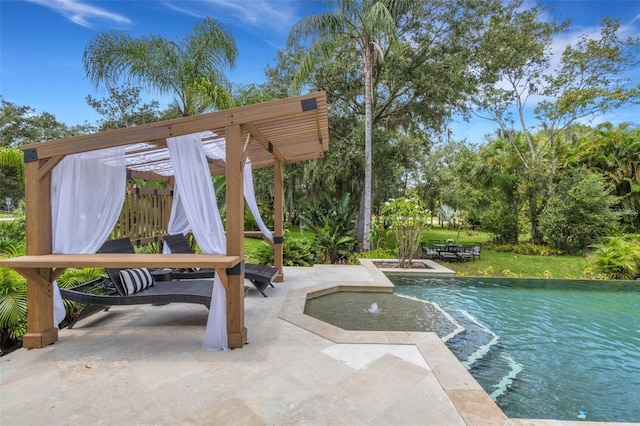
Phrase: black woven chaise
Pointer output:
(104, 292)
(260, 276)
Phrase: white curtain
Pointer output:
(197, 196)
(250, 198)
(215, 149)
(87, 193)
(178, 222)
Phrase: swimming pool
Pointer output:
(548, 349)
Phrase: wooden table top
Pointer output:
(108, 260)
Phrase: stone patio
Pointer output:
(145, 365)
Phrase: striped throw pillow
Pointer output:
(134, 280)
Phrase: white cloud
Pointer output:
(81, 13)
(259, 13)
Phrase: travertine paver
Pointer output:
(145, 365)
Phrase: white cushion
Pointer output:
(134, 280)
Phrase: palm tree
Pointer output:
(190, 70)
(367, 24)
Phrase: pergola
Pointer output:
(270, 134)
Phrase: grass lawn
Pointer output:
(501, 264)
(490, 263)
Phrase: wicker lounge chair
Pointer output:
(104, 292)
(260, 276)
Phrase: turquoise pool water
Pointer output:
(547, 349)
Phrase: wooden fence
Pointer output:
(144, 216)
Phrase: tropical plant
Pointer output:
(73, 277)
(13, 237)
(297, 251)
(191, 70)
(618, 258)
(13, 307)
(369, 25)
(333, 224)
(408, 218)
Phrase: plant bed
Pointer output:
(395, 264)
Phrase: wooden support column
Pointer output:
(278, 219)
(40, 329)
(236, 331)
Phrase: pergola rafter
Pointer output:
(270, 134)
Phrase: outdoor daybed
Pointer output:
(104, 292)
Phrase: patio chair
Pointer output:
(466, 252)
(475, 251)
(428, 253)
(261, 276)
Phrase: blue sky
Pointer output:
(42, 41)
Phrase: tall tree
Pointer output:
(369, 25)
(588, 80)
(22, 125)
(614, 151)
(122, 108)
(191, 70)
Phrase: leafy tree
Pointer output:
(21, 125)
(408, 218)
(122, 108)
(498, 173)
(191, 69)
(369, 25)
(580, 212)
(615, 153)
(589, 80)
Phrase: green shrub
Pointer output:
(380, 253)
(12, 237)
(526, 248)
(618, 258)
(297, 251)
(333, 224)
(581, 197)
(13, 307)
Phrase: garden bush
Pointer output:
(618, 258)
(297, 251)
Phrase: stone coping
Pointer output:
(473, 404)
(431, 269)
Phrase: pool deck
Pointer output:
(145, 365)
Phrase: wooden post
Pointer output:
(236, 331)
(40, 328)
(278, 219)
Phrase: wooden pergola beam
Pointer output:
(260, 137)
